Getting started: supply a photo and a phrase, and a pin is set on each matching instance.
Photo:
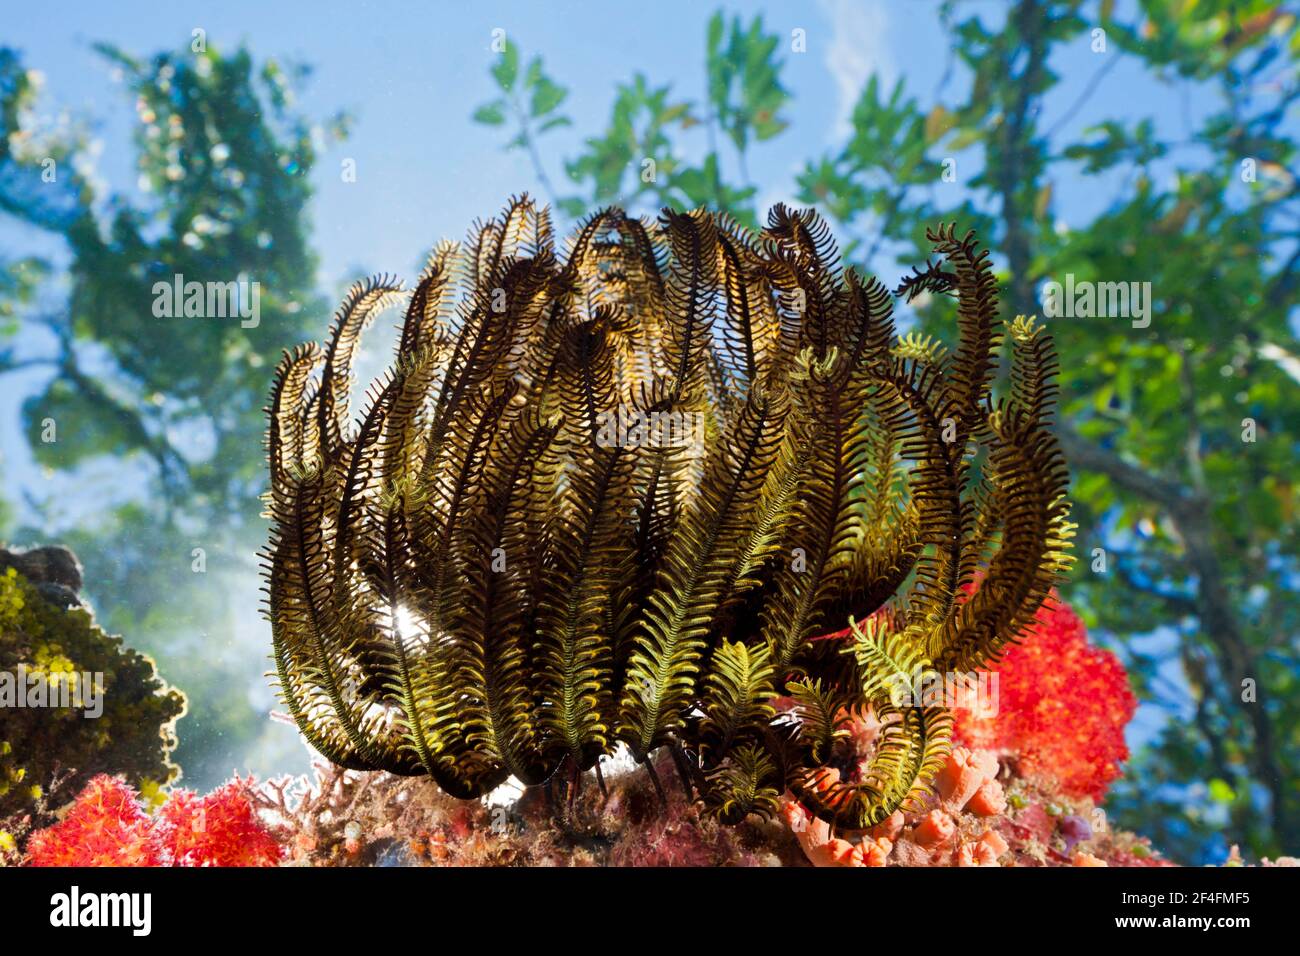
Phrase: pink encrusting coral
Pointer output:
(107, 826)
(980, 814)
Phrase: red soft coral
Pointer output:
(1062, 705)
(108, 827)
(220, 829)
(105, 827)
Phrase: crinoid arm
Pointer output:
(617, 494)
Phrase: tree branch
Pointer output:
(1190, 514)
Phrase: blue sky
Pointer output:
(412, 73)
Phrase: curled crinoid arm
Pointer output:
(910, 749)
(624, 490)
(933, 279)
(852, 790)
(746, 783)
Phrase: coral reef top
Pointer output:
(614, 496)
